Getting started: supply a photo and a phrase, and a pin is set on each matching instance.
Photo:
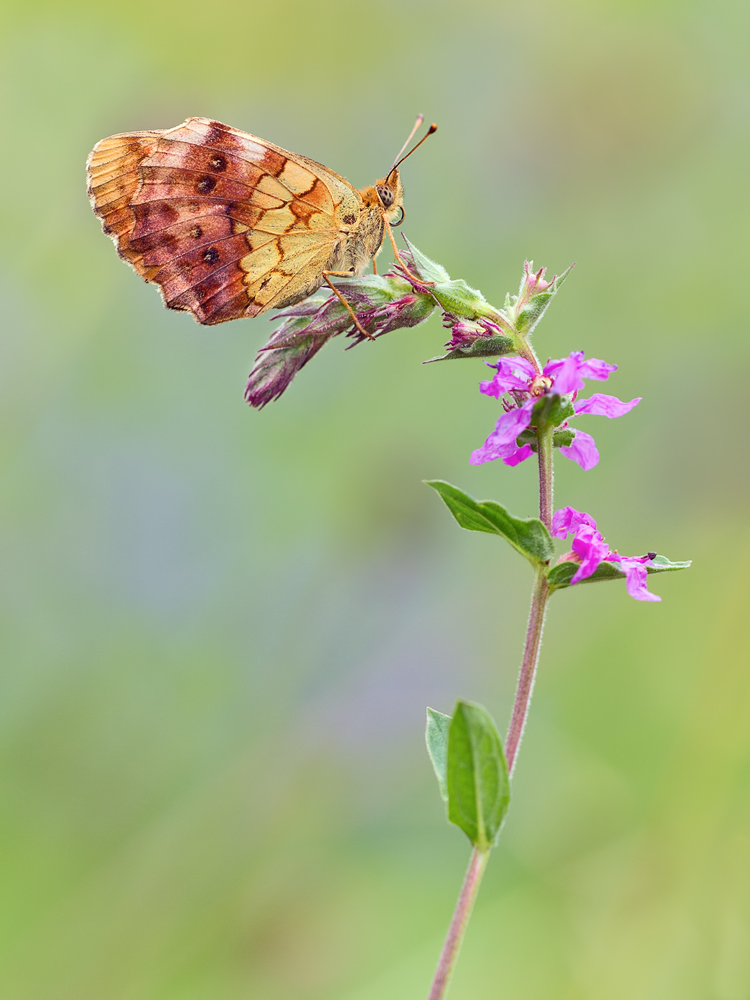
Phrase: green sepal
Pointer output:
(560, 575)
(560, 439)
(482, 347)
(563, 438)
(477, 775)
(436, 737)
(552, 410)
(529, 536)
(528, 317)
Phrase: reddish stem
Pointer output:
(460, 919)
(539, 597)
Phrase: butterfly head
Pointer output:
(391, 196)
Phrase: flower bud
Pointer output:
(534, 296)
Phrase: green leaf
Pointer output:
(478, 783)
(436, 737)
(560, 575)
(482, 347)
(460, 299)
(527, 535)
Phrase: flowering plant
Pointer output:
(472, 763)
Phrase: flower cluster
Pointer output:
(589, 549)
(382, 304)
(525, 393)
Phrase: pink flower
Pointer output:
(564, 377)
(589, 549)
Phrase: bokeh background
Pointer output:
(220, 628)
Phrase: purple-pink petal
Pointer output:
(583, 450)
(605, 406)
(509, 452)
(570, 372)
(636, 578)
(507, 429)
(568, 520)
(512, 373)
(566, 373)
(597, 369)
(516, 455)
(510, 425)
(591, 548)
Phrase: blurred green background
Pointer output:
(220, 628)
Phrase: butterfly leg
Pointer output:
(400, 260)
(342, 300)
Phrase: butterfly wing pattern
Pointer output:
(229, 225)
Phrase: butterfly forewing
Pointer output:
(227, 224)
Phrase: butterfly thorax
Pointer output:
(365, 240)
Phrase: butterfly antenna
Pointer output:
(399, 158)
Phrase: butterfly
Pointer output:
(229, 225)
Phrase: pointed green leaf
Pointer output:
(436, 737)
(423, 266)
(527, 535)
(561, 574)
(460, 299)
(482, 347)
(478, 783)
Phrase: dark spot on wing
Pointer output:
(210, 256)
(206, 184)
(196, 232)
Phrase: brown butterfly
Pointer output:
(229, 225)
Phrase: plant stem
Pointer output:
(526, 351)
(527, 674)
(539, 597)
(546, 476)
(460, 919)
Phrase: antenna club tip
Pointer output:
(432, 128)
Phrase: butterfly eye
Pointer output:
(401, 217)
(385, 194)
